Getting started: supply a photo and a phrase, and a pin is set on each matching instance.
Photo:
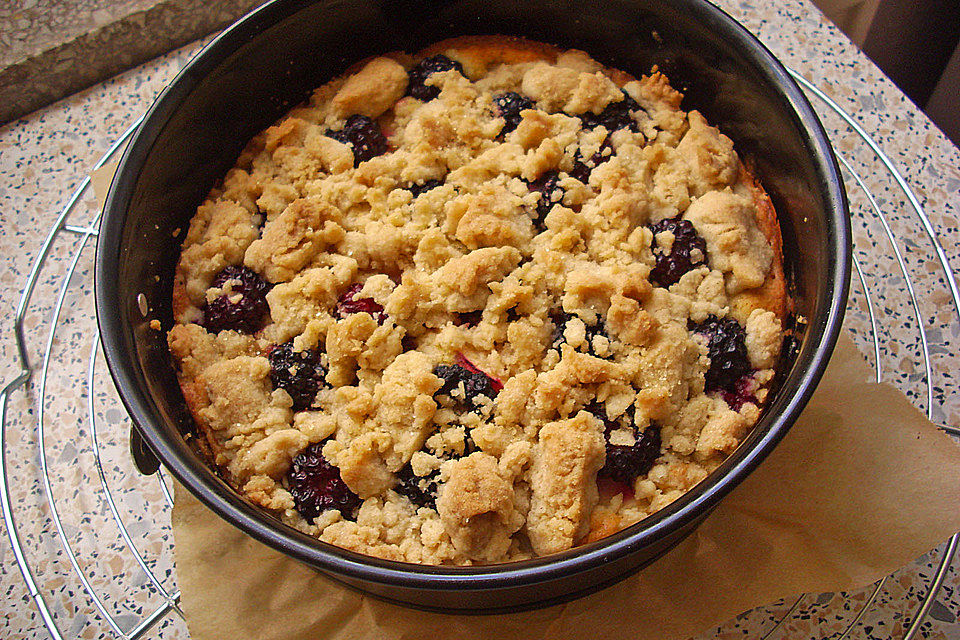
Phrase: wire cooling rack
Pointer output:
(91, 535)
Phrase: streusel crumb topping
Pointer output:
(483, 304)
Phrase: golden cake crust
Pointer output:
(574, 354)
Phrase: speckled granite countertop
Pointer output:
(45, 155)
(52, 48)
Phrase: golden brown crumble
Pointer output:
(489, 369)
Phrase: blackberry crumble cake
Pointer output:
(481, 304)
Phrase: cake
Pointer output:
(480, 304)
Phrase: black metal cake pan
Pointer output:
(270, 60)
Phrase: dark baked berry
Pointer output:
(244, 308)
(348, 303)
(316, 486)
(615, 116)
(423, 69)
(624, 463)
(475, 382)
(417, 189)
(599, 410)
(689, 250)
(299, 373)
(560, 318)
(420, 490)
(509, 105)
(581, 169)
(550, 194)
(468, 318)
(469, 366)
(726, 341)
(364, 135)
(741, 394)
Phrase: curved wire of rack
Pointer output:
(170, 599)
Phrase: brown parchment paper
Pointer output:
(100, 181)
(861, 485)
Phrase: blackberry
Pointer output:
(468, 318)
(599, 411)
(423, 69)
(245, 314)
(615, 116)
(420, 490)
(509, 105)
(726, 341)
(623, 462)
(550, 194)
(671, 266)
(364, 135)
(475, 382)
(348, 304)
(316, 486)
(581, 170)
(299, 373)
(741, 394)
(560, 318)
(418, 189)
